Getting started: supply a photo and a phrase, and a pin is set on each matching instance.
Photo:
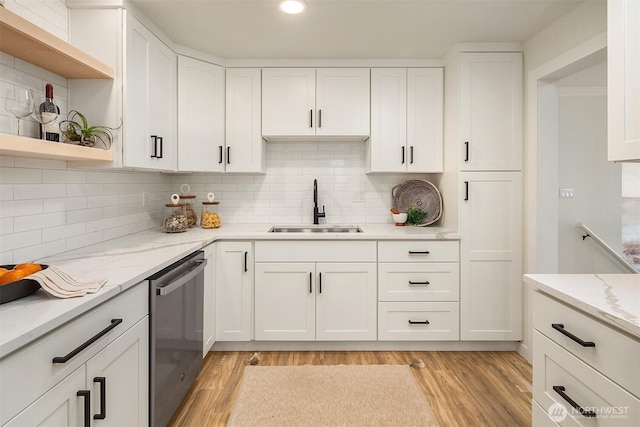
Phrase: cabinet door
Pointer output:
(491, 111)
(342, 101)
(245, 146)
(491, 256)
(623, 79)
(60, 406)
(234, 286)
(121, 372)
(346, 302)
(285, 302)
(209, 300)
(425, 106)
(387, 145)
(288, 101)
(200, 116)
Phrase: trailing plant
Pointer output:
(76, 130)
(415, 216)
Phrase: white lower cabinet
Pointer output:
(209, 300)
(66, 378)
(234, 291)
(418, 321)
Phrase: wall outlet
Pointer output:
(566, 193)
(358, 196)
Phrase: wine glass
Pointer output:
(46, 112)
(23, 105)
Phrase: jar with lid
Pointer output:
(175, 216)
(189, 202)
(210, 216)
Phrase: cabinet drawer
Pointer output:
(418, 251)
(592, 391)
(540, 417)
(614, 354)
(315, 251)
(418, 281)
(394, 321)
(29, 372)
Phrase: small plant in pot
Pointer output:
(76, 130)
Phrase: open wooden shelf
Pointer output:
(24, 40)
(20, 146)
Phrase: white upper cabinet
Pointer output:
(623, 79)
(490, 112)
(297, 103)
(406, 120)
(245, 148)
(201, 119)
(150, 100)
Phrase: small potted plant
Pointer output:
(76, 130)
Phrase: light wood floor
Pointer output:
(463, 388)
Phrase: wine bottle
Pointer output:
(49, 112)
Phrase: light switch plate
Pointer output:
(358, 196)
(566, 193)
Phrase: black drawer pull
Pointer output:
(320, 282)
(413, 322)
(155, 146)
(103, 398)
(425, 283)
(86, 395)
(246, 265)
(466, 151)
(310, 279)
(419, 252)
(220, 154)
(560, 328)
(96, 337)
(560, 390)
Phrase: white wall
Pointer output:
(583, 166)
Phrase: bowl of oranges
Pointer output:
(15, 282)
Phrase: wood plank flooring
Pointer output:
(463, 388)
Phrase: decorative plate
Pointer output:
(419, 194)
(18, 289)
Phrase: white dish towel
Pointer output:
(60, 284)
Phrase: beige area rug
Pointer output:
(338, 395)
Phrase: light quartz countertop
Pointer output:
(611, 298)
(128, 260)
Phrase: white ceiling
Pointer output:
(348, 29)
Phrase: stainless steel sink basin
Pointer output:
(315, 229)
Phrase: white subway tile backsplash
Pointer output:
(27, 162)
(102, 224)
(39, 191)
(20, 176)
(9, 242)
(79, 190)
(63, 176)
(18, 208)
(34, 253)
(102, 201)
(6, 192)
(63, 231)
(84, 240)
(35, 222)
(65, 204)
(84, 215)
(6, 226)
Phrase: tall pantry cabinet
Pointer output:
(484, 127)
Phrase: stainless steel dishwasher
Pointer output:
(176, 306)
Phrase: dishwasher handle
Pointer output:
(167, 289)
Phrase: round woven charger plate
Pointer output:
(419, 194)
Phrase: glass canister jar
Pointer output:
(175, 216)
(189, 201)
(210, 216)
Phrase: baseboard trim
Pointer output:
(365, 346)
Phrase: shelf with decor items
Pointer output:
(20, 146)
(27, 41)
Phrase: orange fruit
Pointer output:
(12, 276)
(3, 270)
(28, 266)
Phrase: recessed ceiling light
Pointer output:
(292, 6)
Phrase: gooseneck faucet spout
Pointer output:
(316, 212)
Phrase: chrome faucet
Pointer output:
(316, 212)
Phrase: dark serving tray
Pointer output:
(18, 289)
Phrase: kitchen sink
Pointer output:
(315, 229)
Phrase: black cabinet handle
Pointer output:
(103, 398)
(86, 395)
(96, 337)
(411, 155)
(425, 283)
(414, 322)
(320, 282)
(466, 191)
(220, 154)
(310, 278)
(466, 151)
(155, 146)
(228, 155)
(319, 118)
(560, 390)
(161, 146)
(419, 252)
(310, 118)
(246, 266)
(560, 328)
(403, 155)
